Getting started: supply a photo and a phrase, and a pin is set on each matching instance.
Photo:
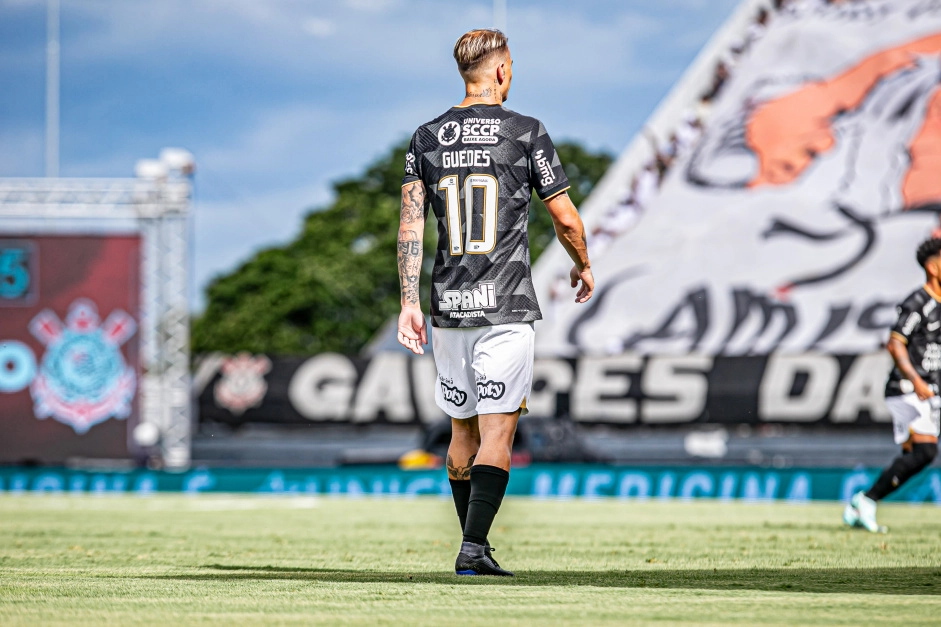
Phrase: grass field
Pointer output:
(241, 559)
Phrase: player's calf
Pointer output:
(903, 468)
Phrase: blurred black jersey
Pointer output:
(919, 328)
(480, 165)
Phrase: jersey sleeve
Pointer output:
(412, 162)
(545, 169)
(909, 320)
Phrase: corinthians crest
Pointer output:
(83, 379)
(243, 384)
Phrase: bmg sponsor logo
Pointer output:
(545, 169)
(469, 303)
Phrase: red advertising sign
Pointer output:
(69, 367)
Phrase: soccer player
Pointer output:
(477, 165)
(911, 392)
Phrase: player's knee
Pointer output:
(924, 453)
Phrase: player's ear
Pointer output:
(501, 73)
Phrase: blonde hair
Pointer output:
(476, 46)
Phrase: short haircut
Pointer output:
(476, 46)
(928, 249)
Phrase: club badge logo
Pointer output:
(243, 384)
(83, 378)
(449, 133)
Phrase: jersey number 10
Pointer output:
(459, 245)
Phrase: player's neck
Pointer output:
(475, 94)
(933, 287)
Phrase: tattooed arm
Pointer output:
(412, 333)
(571, 233)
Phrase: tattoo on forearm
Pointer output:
(460, 473)
(410, 255)
(413, 203)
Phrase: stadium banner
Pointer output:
(68, 346)
(793, 485)
(630, 388)
(792, 224)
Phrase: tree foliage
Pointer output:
(336, 284)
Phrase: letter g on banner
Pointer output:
(323, 387)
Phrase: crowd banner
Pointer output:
(550, 481)
(629, 389)
(792, 224)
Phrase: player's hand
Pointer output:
(412, 332)
(922, 390)
(588, 283)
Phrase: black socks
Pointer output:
(461, 490)
(903, 468)
(487, 487)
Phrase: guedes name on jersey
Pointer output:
(465, 158)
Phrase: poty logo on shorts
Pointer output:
(469, 303)
(453, 395)
(490, 389)
(449, 133)
(83, 379)
(545, 169)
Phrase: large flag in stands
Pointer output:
(792, 224)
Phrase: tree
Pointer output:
(336, 284)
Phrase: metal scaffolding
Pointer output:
(157, 209)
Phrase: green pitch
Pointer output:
(227, 560)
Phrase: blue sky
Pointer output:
(277, 98)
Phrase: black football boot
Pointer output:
(476, 559)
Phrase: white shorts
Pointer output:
(484, 370)
(910, 414)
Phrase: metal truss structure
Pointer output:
(157, 210)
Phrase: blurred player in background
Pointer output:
(911, 393)
(477, 164)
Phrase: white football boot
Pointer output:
(850, 515)
(866, 509)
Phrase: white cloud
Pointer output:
(319, 27)
(372, 6)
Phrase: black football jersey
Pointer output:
(480, 165)
(919, 328)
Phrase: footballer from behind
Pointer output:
(477, 165)
(911, 393)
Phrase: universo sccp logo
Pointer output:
(449, 133)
